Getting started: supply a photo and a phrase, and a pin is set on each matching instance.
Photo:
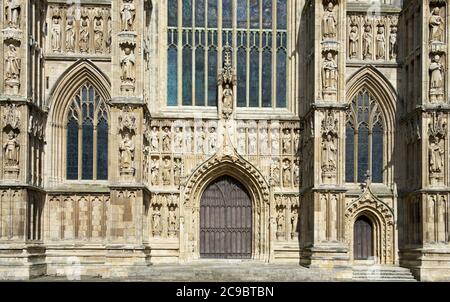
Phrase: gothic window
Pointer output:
(87, 136)
(199, 31)
(364, 140)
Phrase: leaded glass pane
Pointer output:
(87, 153)
(200, 13)
(200, 76)
(227, 13)
(212, 13)
(349, 153)
(241, 77)
(102, 149)
(377, 153)
(254, 78)
(267, 14)
(241, 13)
(187, 13)
(172, 70)
(363, 153)
(281, 78)
(281, 14)
(212, 77)
(267, 78)
(72, 149)
(254, 13)
(172, 12)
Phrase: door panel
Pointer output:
(362, 239)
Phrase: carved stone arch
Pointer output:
(250, 177)
(60, 99)
(382, 217)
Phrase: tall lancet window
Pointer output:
(198, 32)
(364, 140)
(87, 136)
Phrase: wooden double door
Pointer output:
(363, 239)
(226, 220)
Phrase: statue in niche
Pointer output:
(12, 9)
(128, 13)
(329, 22)
(296, 171)
(286, 173)
(329, 152)
(172, 219)
(436, 70)
(296, 141)
(188, 139)
(12, 66)
(294, 221)
(56, 35)
(166, 169)
(436, 26)
(98, 35)
(264, 148)
(177, 167)
(166, 143)
(393, 43)
(178, 140)
(227, 99)
(329, 72)
(353, 43)
(126, 149)
(154, 139)
(241, 140)
(436, 155)
(380, 43)
(275, 171)
(212, 144)
(109, 37)
(84, 36)
(275, 141)
(286, 141)
(252, 141)
(367, 42)
(11, 148)
(154, 171)
(200, 140)
(156, 221)
(280, 223)
(70, 36)
(127, 64)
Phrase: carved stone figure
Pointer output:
(436, 26)
(329, 22)
(241, 140)
(127, 15)
(252, 141)
(367, 42)
(154, 170)
(98, 35)
(329, 72)
(286, 173)
(275, 167)
(154, 139)
(12, 9)
(296, 172)
(329, 152)
(280, 223)
(200, 140)
(188, 139)
(172, 219)
(178, 140)
(56, 35)
(264, 147)
(436, 70)
(156, 221)
(166, 140)
(296, 141)
(275, 141)
(12, 67)
(227, 99)
(177, 168)
(126, 149)
(127, 64)
(353, 42)
(70, 36)
(84, 36)
(380, 43)
(11, 149)
(166, 169)
(393, 43)
(286, 141)
(212, 140)
(109, 36)
(436, 156)
(294, 221)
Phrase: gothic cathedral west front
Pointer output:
(138, 133)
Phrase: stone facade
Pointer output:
(160, 159)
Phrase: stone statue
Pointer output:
(294, 221)
(12, 9)
(280, 222)
(286, 173)
(166, 141)
(177, 167)
(241, 140)
(264, 148)
(393, 43)
(212, 140)
(275, 141)
(127, 64)
(380, 43)
(436, 155)
(84, 36)
(286, 142)
(154, 139)
(128, 13)
(329, 152)
(156, 221)
(353, 42)
(329, 72)
(188, 139)
(436, 26)
(367, 42)
(329, 22)
(436, 70)
(154, 170)
(227, 99)
(296, 141)
(252, 141)
(200, 140)
(70, 36)
(178, 140)
(296, 171)
(56, 35)
(275, 172)
(98, 35)
(166, 169)
(11, 148)
(172, 219)
(109, 37)
(126, 149)
(12, 64)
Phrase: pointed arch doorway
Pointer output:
(363, 237)
(226, 220)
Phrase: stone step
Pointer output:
(382, 273)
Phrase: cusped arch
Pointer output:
(376, 84)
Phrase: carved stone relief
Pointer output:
(329, 147)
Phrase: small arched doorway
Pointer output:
(226, 220)
(363, 247)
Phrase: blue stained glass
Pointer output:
(349, 153)
(377, 153)
(84, 94)
(254, 14)
(87, 153)
(102, 149)
(267, 79)
(212, 13)
(212, 76)
(241, 77)
(227, 13)
(172, 78)
(72, 149)
(281, 78)
(254, 78)
(200, 13)
(200, 77)
(281, 14)
(267, 14)
(187, 76)
(363, 152)
(187, 13)
(241, 14)
(172, 13)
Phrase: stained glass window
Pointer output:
(249, 28)
(87, 119)
(364, 140)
